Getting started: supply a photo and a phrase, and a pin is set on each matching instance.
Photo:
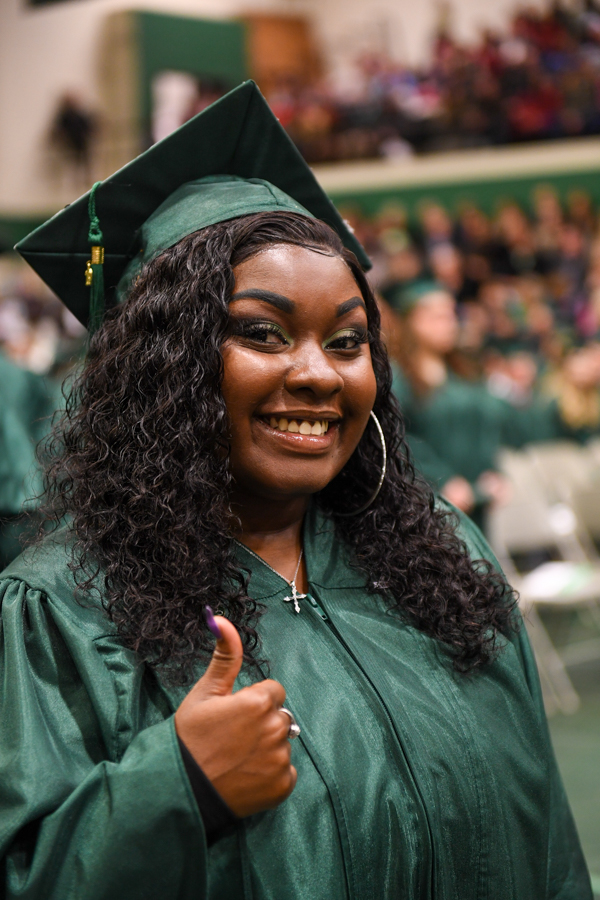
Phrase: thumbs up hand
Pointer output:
(239, 740)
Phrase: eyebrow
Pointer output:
(347, 305)
(288, 306)
(278, 300)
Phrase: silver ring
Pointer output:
(294, 729)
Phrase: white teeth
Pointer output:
(299, 427)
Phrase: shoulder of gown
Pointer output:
(45, 569)
(95, 801)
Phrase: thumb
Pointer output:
(225, 664)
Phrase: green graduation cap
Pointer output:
(232, 159)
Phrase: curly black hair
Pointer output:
(139, 464)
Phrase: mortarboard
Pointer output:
(171, 190)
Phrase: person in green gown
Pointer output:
(26, 407)
(456, 426)
(233, 442)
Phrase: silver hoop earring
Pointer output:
(361, 509)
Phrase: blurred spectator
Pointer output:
(71, 135)
(27, 402)
(548, 217)
(516, 251)
(580, 211)
(436, 227)
(459, 425)
(38, 338)
(576, 386)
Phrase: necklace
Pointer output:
(296, 596)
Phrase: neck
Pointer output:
(272, 530)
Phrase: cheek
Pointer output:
(230, 381)
(362, 388)
(369, 388)
(246, 379)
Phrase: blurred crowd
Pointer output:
(539, 80)
(493, 323)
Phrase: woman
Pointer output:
(457, 426)
(457, 420)
(220, 449)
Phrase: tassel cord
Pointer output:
(94, 274)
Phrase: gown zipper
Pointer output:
(318, 608)
(323, 615)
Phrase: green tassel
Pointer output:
(94, 271)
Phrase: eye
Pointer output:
(348, 339)
(259, 332)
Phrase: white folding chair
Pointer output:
(570, 474)
(532, 521)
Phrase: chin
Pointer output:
(286, 478)
(293, 487)
(304, 488)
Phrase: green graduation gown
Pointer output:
(413, 781)
(459, 428)
(462, 423)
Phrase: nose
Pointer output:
(311, 370)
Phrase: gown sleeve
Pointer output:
(78, 819)
(568, 877)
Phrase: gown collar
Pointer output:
(328, 560)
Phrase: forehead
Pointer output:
(297, 272)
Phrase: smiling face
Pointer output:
(298, 381)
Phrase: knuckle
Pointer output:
(293, 778)
(287, 783)
(259, 701)
(283, 756)
(276, 690)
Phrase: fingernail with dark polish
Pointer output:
(210, 621)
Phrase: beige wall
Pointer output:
(44, 52)
(49, 50)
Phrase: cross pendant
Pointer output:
(294, 598)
